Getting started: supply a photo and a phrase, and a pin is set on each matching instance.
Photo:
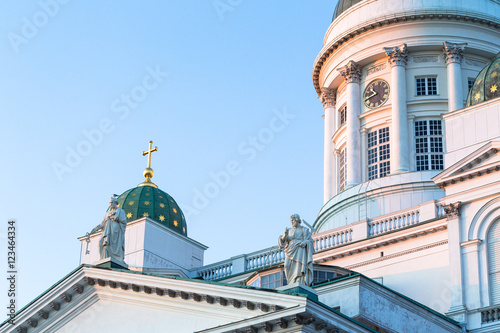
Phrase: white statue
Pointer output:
(299, 248)
(112, 243)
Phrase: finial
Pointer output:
(148, 172)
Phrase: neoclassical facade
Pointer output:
(408, 236)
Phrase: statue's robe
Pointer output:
(112, 243)
(298, 259)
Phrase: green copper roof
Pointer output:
(487, 84)
(148, 201)
(342, 6)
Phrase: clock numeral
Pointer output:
(385, 96)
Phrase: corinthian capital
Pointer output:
(327, 97)
(452, 210)
(398, 55)
(453, 52)
(351, 72)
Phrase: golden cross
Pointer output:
(149, 152)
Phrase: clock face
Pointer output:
(376, 94)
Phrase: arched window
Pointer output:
(494, 261)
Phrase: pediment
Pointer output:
(107, 300)
(482, 161)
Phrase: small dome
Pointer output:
(149, 201)
(487, 84)
(342, 6)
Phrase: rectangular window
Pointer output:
(379, 153)
(426, 86)
(429, 145)
(343, 115)
(470, 84)
(343, 169)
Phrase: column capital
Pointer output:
(351, 72)
(452, 210)
(328, 97)
(398, 55)
(453, 52)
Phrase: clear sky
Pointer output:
(84, 85)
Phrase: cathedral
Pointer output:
(408, 236)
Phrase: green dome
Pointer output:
(487, 84)
(342, 6)
(149, 201)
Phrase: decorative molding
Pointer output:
(403, 17)
(453, 53)
(452, 210)
(351, 72)
(475, 62)
(399, 254)
(328, 97)
(43, 314)
(55, 305)
(398, 55)
(421, 59)
(375, 69)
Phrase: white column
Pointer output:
(453, 54)
(457, 309)
(400, 153)
(327, 97)
(352, 75)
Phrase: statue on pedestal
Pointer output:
(298, 246)
(112, 242)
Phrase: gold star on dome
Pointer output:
(162, 205)
(146, 203)
(147, 194)
(134, 194)
(118, 205)
(494, 88)
(161, 197)
(162, 218)
(129, 215)
(479, 81)
(494, 74)
(176, 223)
(175, 210)
(131, 203)
(478, 95)
(145, 214)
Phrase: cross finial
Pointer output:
(148, 172)
(149, 152)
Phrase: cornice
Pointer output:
(399, 254)
(382, 22)
(387, 239)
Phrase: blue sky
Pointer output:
(212, 83)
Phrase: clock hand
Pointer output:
(368, 97)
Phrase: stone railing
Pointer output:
(394, 222)
(217, 270)
(490, 315)
(325, 240)
(267, 257)
(333, 238)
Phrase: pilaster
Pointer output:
(457, 309)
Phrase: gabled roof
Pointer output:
(206, 303)
(482, 161)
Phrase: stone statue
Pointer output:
(299, 248)
(112, 243)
